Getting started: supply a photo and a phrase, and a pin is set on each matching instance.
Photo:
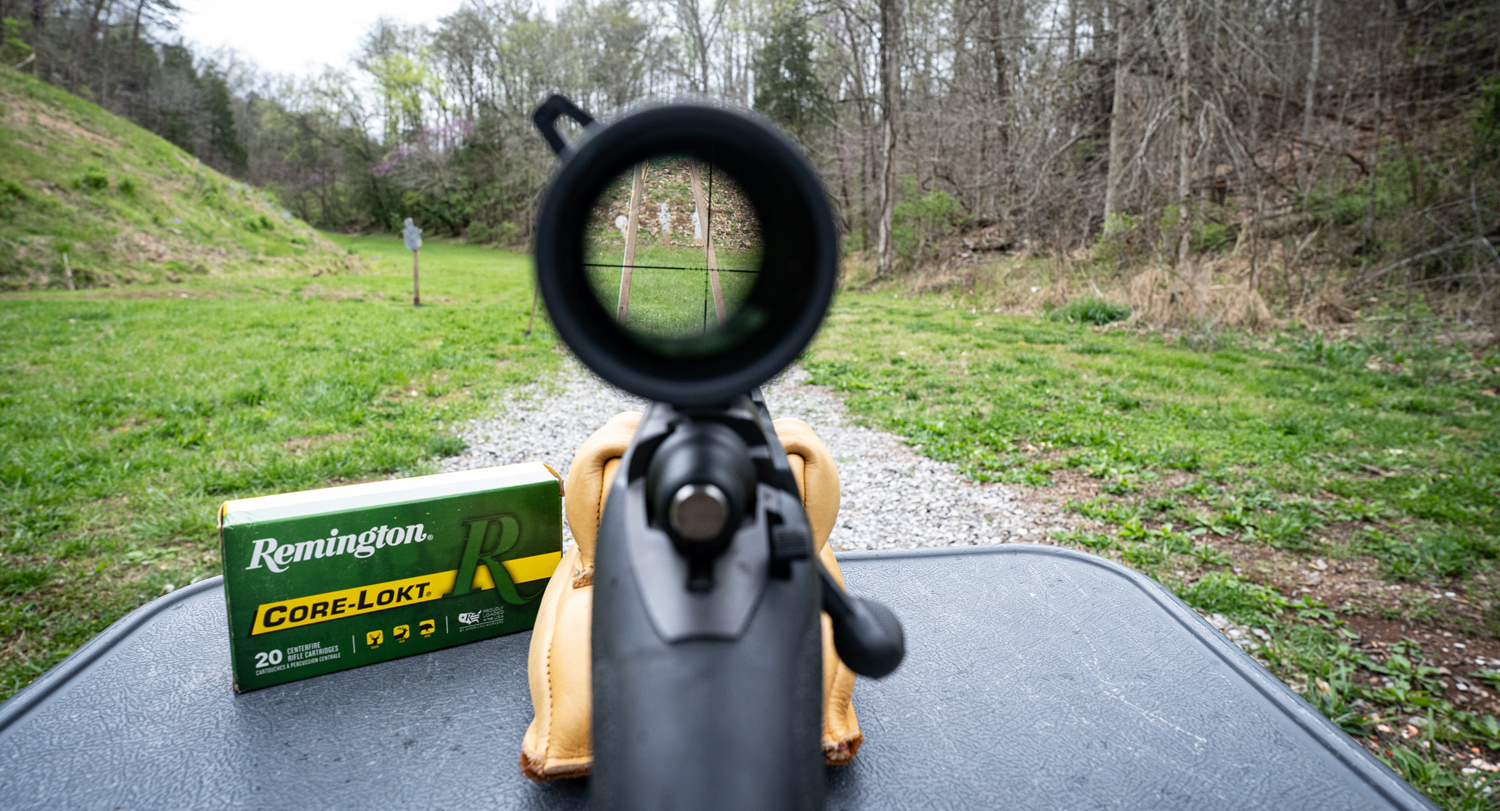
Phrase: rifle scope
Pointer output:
(686, 252)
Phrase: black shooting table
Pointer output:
(1035, 677)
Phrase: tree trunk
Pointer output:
(890, 93)
(1002, 86)
(1307, 106)
(1379, 125)
(87, 45)
(1184, 136)
(135, 26)
(1072, 31)
(1125, 17)
(690, 16)
(866, 144)
(702, 65)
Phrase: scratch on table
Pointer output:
(1154, 718)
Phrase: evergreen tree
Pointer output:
(13, 47)
(786, 84)
(172, 116)
(223, 141)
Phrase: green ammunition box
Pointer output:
(326, 580)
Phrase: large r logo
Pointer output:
(489, 539)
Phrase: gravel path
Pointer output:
(892, 498)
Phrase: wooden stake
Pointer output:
(68, 271)
(637, 190)
(700, 204)
(530, 322)
(416, 294)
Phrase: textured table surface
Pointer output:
(1035, 678)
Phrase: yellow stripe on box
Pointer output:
(334, 605)
(522, 570)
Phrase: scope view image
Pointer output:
(673, 247)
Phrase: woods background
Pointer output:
(1211, 161)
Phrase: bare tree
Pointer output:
(1124, 14)
(1310, 98)
(700, 30)
(1184, 136)
(890, 112)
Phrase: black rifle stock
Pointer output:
(710, 698)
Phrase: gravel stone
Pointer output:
(892, 497)
(1240, 635)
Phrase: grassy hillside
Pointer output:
(125, 206)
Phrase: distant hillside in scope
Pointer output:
(669, 232)
(125, 206)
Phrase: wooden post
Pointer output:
(637, 190)
(411, 237)
(530, 322)
(68, 271)
(700, 204)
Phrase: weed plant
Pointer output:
(1090, 310)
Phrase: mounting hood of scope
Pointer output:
(792, 288)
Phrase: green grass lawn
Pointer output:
(129, 415)
(670, 302)
(1340, 496)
